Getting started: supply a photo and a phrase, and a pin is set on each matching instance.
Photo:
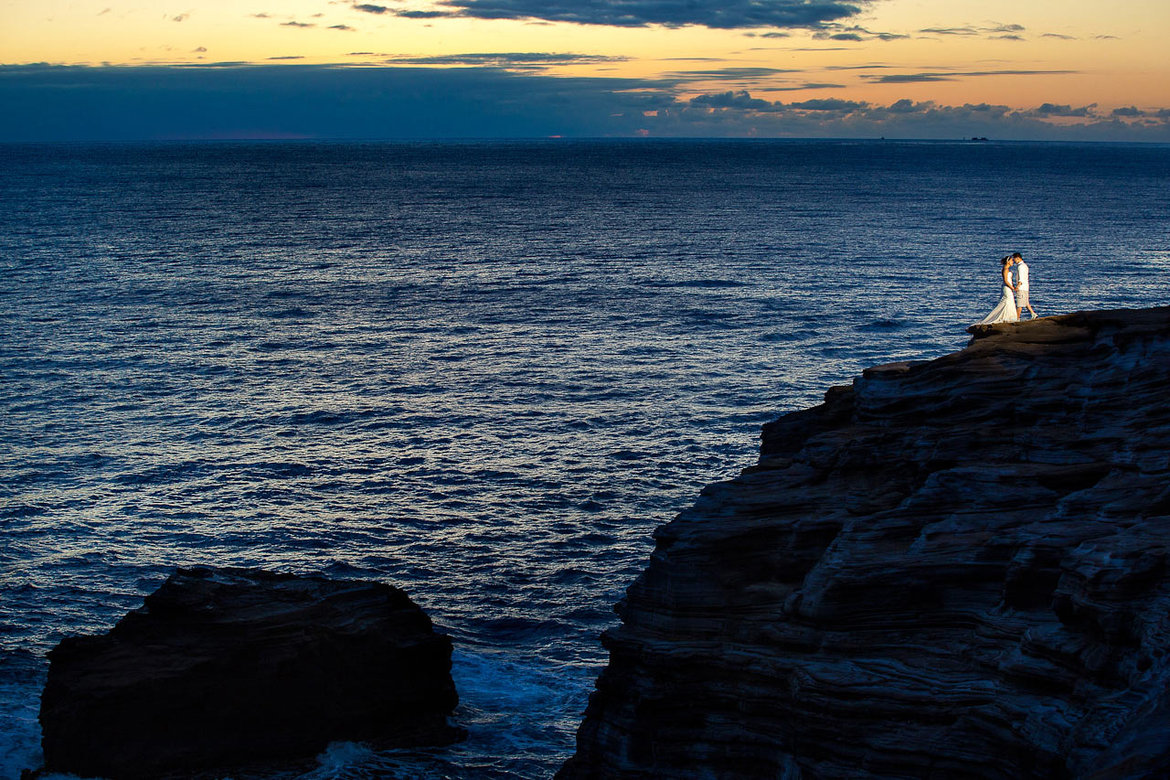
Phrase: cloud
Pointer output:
(740, 99)
(927, 119)
(288, 57)
(730, 74)
(832, 118)
(743, 101)
(1059, 36)
(1007, 32)
(222, 64)
(508, 59)
(200, 50)
(950, 30)
(225, 100)
(422, 14)
(911, 78)
(915, 78)
(298, 24)
(180, 18)
(907, 106)
(343, 27)
(870, 66)
(829, 104)
(806, 85)
(104, 11)
(372, 9)
(1019, 73)
(720, 14)
(1055, 110)
(838, 32)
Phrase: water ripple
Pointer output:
(482, 372)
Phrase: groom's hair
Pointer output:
(1015, 255)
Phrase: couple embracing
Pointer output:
(1014, 297)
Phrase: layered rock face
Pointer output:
(223, 667)
(954, 568)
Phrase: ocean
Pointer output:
(484, 372)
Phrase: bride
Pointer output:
(1005, 310)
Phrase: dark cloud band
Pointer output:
(225, 100)
(723, 14)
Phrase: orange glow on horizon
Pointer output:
(1020, 54)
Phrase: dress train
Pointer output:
(1004, 311)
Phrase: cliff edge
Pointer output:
(953, 568)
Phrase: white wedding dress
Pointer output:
(1004, 311)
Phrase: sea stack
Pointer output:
(953, 568)
(225, 667)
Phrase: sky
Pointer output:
(946, 69)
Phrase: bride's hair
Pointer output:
(1006, 259)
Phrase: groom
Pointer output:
(1021, 287)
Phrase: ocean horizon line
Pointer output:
(537, 139)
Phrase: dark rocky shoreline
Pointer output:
(222, 668)
(954, 568)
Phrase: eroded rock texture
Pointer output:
(224, 667)
(954, 568)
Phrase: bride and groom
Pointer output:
(1014, 297)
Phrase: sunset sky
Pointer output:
(1024, 69)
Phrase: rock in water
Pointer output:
(223, 667)
(954, 568)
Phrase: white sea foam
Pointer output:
(20, 733)
(339, 758)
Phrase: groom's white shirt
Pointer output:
(1022, 275)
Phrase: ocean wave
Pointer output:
(483, 373)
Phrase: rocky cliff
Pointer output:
(224, 667)
(954, 568)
